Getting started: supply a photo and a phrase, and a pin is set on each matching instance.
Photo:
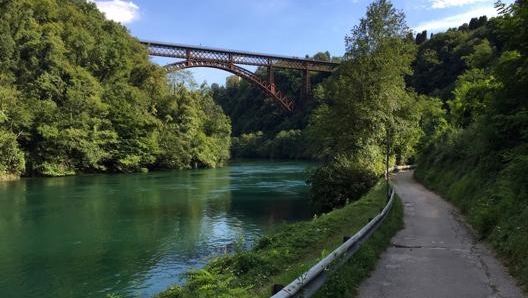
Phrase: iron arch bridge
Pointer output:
(228, 60)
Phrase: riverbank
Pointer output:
(280, 257)
(9, 177)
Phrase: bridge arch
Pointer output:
(268, 87)
(228, 60)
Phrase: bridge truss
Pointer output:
(228, 60)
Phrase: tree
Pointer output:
(507, 112)
(366, 99)
(337, 183)
(365, 107)
(381, 24)
(475, 89)
(421, 37)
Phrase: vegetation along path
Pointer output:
(435, 255)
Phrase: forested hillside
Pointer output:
(475, 150)
(261, 129)
(78, 94)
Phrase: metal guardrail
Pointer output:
(402, 168)
(309, 282)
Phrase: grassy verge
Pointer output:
(280, 257)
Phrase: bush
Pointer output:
(286, 144)
(339, 182)
(12, 160)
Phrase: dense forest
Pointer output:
(78, 94)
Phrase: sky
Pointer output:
(284, 27)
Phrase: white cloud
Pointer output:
(455, 21)
(119, 11)
(451, 3)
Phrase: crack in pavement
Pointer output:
(396, 245)
(489, 279)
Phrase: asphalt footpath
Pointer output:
(436, 254)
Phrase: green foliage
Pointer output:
(80, 95)
(205, 284)
(248, 144)
(473, 92)
(438, 61)
(339, 182)
(287, 144)
(381, 23)
(447, 55)
(12, 160)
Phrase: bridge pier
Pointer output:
(271, 79)
(307, 85)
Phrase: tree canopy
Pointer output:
(79, 94)
(365, 108)
(366, 99)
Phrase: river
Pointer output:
(135, 235)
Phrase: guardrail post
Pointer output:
(276, 288)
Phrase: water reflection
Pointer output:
(135, 234)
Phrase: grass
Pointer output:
(280, 257)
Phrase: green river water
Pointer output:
(135, 235)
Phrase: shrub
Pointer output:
(11, 157)
(339, 182)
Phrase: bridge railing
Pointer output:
(200, 53)
(312, 280)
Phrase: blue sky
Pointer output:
(285, 27)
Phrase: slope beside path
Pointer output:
(435, 255)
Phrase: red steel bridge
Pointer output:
(228, 60)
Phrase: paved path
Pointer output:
(435, 255)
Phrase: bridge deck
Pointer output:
(200, 53)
